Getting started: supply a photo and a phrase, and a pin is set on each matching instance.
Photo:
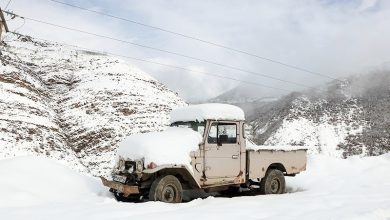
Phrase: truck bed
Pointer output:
(291, 159)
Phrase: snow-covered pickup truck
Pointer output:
(206, 149)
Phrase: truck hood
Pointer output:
(172, 146)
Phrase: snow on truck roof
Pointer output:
(202, 112)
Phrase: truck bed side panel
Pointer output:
(293, 161)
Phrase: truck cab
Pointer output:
(221, 158)
(205, 149)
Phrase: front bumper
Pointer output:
(122, 188)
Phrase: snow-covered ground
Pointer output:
(331, 188)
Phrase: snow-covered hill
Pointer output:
(244, 93)
(73, 105)
(331, 188)
(348, 118)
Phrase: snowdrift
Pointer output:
(31, 180)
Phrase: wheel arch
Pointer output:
(277, 166)
(183, 174)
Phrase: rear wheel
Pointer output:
(273, 182)
(166, 189)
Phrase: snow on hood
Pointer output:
(202, 112)
(172, 146)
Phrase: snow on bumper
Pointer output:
(122, 188)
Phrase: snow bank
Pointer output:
(28, 181)
(172, 146)
(202, 112)
(252, 146)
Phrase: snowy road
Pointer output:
(356, 188)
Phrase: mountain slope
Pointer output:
(345, 118)
(244, 93)
(249, 98)
(74, 105)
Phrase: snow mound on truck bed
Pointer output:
(202, 112)
(172, 146)
(252, 146)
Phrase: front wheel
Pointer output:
(273, 182)
(166, 189)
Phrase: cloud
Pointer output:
(336, 38)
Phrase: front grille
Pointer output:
(130, 166)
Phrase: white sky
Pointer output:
(336, 38)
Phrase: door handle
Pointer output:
(196, 167)
(234, 156)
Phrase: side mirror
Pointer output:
(244, 130)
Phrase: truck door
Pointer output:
(222, 153)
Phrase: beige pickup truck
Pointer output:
(210, 152)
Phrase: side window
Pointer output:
(212, 139)
(223, 133)
(201, 129)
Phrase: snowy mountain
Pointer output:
(73, 105)
(244, 93)
(349, 117)
(248, 97)
(76, 106)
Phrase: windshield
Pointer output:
(196, 126)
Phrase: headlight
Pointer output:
(121, 165)
(129, 166)
(140, 166)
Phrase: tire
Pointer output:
(166, 189)
(273, 182)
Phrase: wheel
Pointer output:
(166, 189)
(273, 182)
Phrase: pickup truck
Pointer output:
(205, 149)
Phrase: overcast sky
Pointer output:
(335, 38)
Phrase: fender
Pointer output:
(181, 171)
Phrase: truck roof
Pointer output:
(213, 111)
